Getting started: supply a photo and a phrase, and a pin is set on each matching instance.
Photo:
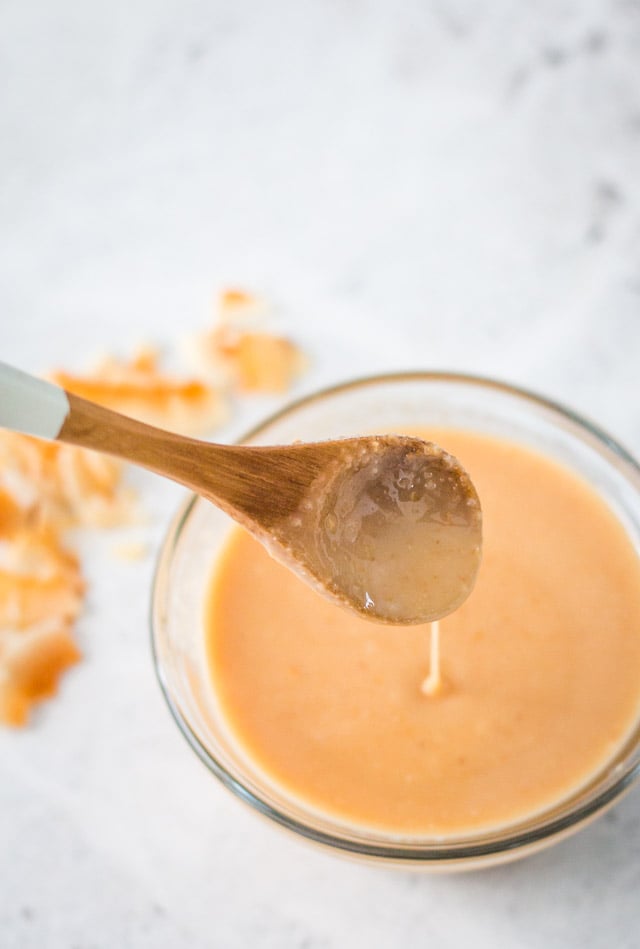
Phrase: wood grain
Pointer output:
(259, 483)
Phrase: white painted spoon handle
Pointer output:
(31, 405)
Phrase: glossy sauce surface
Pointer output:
(540, 665)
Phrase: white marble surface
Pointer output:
(426, 184)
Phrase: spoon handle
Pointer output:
(31, 405)
(250, 483)
(36, 407)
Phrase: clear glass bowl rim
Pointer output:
(502, 842)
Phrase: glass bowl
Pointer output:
(199, 530)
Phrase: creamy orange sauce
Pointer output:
(540, 666)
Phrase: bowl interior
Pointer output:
(199, 532)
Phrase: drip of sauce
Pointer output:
(433, 682)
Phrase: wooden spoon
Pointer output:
(388, 525)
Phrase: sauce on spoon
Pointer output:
(393, 527)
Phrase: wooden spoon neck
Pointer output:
(259, 486)
(93, 426)
(237, 479)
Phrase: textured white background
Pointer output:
(421, 184)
